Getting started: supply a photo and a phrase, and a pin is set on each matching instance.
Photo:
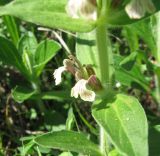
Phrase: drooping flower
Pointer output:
(137, 9)
(67, 66)
(80, 89)
(86, 83)
(82, 8)
(58, 75)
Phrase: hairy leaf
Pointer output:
(68, 140)
(49, 13)
(125, 122)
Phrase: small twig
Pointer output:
(33, 132)
(69, 33)
(59, 38)
(117, 38)
(62, 42)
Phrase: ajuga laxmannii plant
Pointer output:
(100, 75)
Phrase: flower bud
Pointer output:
(94, 83)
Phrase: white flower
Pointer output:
(82, 8)
(58, 75)
(84, 76)
(137, 9)
(81, 89)
(72, 8)
(67, 66)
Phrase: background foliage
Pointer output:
(31, 104)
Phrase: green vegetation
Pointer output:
(79, 78)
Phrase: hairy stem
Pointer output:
(104, 59)
(104, 54)
(157, 55)
(104, 47)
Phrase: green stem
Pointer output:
(104, 59)
(104, 49)
(36, 86)
(157, 76)
(158, 38)
(157, 91)
(103, 54)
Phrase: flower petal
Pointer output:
(150, 8)
(136, 9)
(81, 89)
(88, 95)
(82, 8)
(58, 75)
(72, 8)
(69, 65)
(74, 93)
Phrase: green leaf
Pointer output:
(114, 153)
(70, 119)
(144, 30)
(24, 150)
(66, 154)
(28, 43)
(12, 28)
(155, 28)
(27, 47)
(86, 50)
(125, 122)
(27, 138)
(154, 140)
(46, 13)
(45, 52)
(43, 151)
(2, 2)
(129, 61)
(54, 95)
(9, 55)
(69, 140)
(20, 94)
(133, 78)
(131, 38)
(27, 62)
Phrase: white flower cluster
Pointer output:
(83, 79)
